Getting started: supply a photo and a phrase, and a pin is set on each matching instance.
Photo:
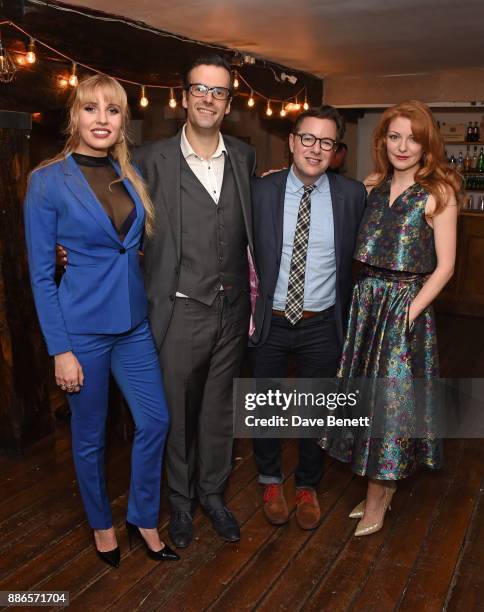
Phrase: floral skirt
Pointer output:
(380, 345)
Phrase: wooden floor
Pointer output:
(428, 557)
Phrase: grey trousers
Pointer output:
(200, 356)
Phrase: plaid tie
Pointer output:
(297, 271)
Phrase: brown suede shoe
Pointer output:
(275, 507)
(308, 513)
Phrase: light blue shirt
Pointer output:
(320, 279)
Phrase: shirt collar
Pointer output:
(295, 185)
(187, 150)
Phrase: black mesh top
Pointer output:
(114, 197)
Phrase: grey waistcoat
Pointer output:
(214, 240)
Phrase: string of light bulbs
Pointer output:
(8, 68)
(287, 105)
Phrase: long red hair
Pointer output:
(434, 173)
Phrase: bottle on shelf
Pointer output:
(470, 132)
(476, 132)
(480, 161)
(474, 159)
(467, 160)
(460, 163)
(474, 182)
(452, 161)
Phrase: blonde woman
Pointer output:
(90, 199)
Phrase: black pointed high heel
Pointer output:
(111, 557)
(165, 554)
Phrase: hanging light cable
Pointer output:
(73, 80)
(172, 102)
(143, 101)
(31, 57)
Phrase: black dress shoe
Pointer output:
(165, 554)
(224, 523)
(111, 557)
(181, 528)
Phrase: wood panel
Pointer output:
(464, 294)
(24, 366)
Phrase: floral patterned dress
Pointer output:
(396, 244)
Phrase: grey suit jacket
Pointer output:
(159, 163)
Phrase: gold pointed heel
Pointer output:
(363, 529)
(358, 511)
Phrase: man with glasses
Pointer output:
(197, 282)
(305, 225)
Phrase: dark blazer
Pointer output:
(159, 163)
(101, 291)
(348, 199)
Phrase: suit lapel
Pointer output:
(80, 188)
(140, 214)
(169, 164)
(242, 181)
(278, 197)
(337, 203)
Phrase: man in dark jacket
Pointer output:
(305, 225)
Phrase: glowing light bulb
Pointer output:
(297, 106)
(268, 109)
(143, 101)
(283, 111)
(236, 82)
(172, 102)
(251, 100)
(20, 59)
(31, 57)
(73, 80)
(290, 107)
(63, 82)
(305, 105)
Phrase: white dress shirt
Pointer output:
(210, 172)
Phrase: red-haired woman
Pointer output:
(407, 243)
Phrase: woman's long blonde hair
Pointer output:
(115, 93)
(434, 173)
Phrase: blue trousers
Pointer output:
(133, 360)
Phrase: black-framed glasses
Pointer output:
(308, 140)
(199, 90)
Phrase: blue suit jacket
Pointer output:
(102, 290)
